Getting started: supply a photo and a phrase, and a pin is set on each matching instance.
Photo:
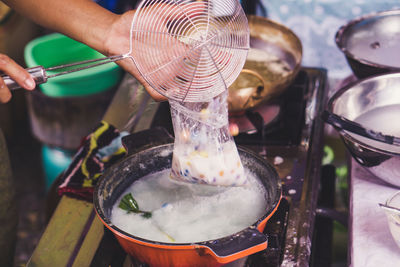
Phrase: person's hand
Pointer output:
(17, 73)
(118, 43)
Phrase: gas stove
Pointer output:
(294, 145)
(291, 139)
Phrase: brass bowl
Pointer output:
(272, 63)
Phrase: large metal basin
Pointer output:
(360, 98)
(371, 43)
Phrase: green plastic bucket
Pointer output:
(57, 49)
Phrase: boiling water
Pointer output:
(383, 119)
(185, 213)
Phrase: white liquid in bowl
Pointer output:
(384, 119)
(379, 44)
(190, 212)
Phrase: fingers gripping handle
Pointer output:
(38, 73)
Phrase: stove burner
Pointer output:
(294, 133)
(278, 122)
(246, 122)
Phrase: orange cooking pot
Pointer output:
(216, 252)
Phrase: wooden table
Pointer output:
(371, 243)
(74, 235)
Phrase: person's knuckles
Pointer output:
(4, 98)
(5, 61)
(5, 94)
(16, 72)
(3, 86)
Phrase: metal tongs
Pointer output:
(40, 75)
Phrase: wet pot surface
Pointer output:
(119, 177)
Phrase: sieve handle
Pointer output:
(342, 124)
(38, 74)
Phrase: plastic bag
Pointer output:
(204, 150)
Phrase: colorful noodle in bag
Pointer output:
(204, 150)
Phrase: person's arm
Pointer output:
(95, 26)
(82, 20)
(86, 22)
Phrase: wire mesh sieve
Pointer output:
(189, 51)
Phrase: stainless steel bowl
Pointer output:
(371, 43)
(359, 99)
(393, 216)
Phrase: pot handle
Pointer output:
(145, 139)
(237, 246)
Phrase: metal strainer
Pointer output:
(188, 51)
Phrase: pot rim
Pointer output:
(350, 86)
(339, 40)
(190, 245)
